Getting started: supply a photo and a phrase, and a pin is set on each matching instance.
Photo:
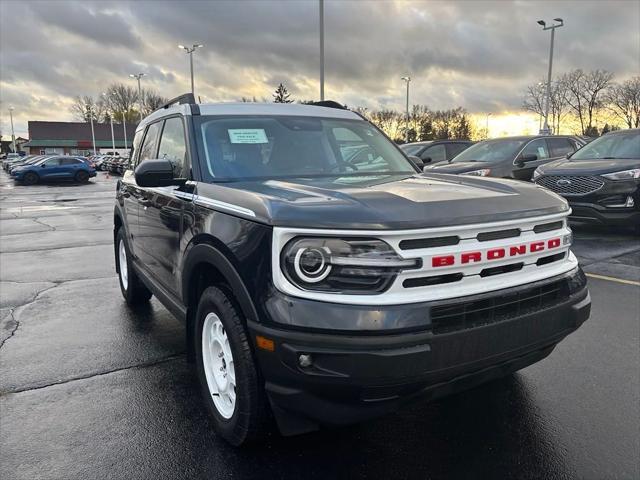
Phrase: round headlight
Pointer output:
(312, 264)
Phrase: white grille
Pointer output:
(471, 281)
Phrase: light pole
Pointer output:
(113, 138)
(93, 133)
(13, 135)
(546, 130)
(190, 51)
(321, 7)
(408, 80)
(138, 76)
(487, 127)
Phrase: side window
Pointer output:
(135, 148)
(150, 144)
(437, 153)
(559, 147)
(538, 148)
(173, 146)
(52, 162)
(455, 148)
(69, 161)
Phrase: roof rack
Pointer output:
(328, 104)
(184, 99)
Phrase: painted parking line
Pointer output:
(613, 279)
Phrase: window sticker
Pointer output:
(247, 135)
(541, 152)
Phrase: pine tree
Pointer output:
(281, 95)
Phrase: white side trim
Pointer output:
(210, 202)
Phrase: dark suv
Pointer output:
(510, 157)
(436, 151)
(600, 181)
(319, 287)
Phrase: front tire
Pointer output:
(132, 288)
(227, 373)
(30, 178)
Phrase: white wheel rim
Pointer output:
(219, 367)
(122, 257)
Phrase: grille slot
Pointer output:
(550, 259)
(450, 318)
(435, 280)
(547, 227)
(429, 242)
(487, 236)
(571, 185)
(514, 267)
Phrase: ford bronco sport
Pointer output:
(324, 280)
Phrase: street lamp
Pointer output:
(408, 80)
(190, 51)
(113, 138)
(138, 76)
(13, 135)
(487, 127)
(93, 133)
(321, 15)
(546, 130)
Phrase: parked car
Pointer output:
(12, 159)
(329, 290)
(509, 157)
(435, 151)
(601, 181)
(54, 168)
(27, 161)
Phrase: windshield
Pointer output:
(412, 149)
(264, 147)
(620, 146)
(491, 151)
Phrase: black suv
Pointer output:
(436, 151)
(600, 181)
(322, 288)
(510, 157)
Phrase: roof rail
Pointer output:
(328, 104)
(184, 99)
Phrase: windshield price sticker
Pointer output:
(247, 135)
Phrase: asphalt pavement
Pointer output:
(90, 389)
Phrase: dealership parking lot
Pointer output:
(92, 389)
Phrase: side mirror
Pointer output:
(156, 173)
(427, 160)
(417, 161)
(531, 157)
(42, 166)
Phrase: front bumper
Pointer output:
(355, 376)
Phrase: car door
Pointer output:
(434, 154)
(50, 169)
(534, 154)
(162, 208)
(130, 194)
(69, 167)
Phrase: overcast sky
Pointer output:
(475, 54)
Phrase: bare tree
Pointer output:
(534, 99)
(86, 106)
(122, 101)
(151, 101)
(623, 100)
(585, 94)
(559, 105)
(281, 95)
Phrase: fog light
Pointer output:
(567, 240)
(305, 360)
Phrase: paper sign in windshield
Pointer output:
(247, 135)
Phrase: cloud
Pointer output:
(479, 55)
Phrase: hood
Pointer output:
(385, 202)
(458, 167)
(566, 166)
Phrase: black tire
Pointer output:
(30, 178)
(132, 288)
(251, 419)
(81, 176)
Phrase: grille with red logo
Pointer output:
(495, 253)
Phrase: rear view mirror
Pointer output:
(427, 160)
(156, 173)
